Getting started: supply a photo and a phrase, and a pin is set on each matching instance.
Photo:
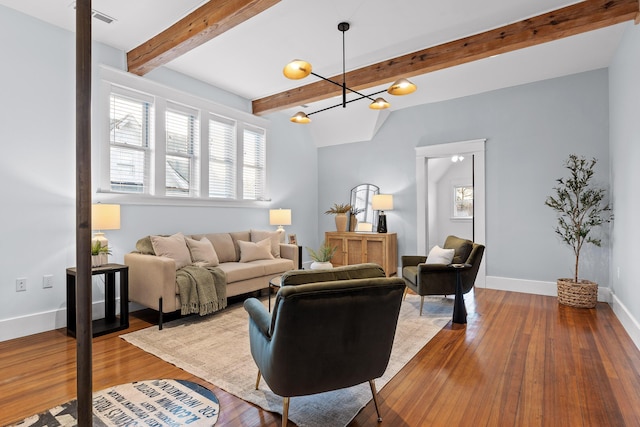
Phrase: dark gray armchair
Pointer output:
(440, 279)
(325, 335)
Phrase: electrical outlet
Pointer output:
(47, 281)
(21, 284)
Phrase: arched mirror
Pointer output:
(360, 201)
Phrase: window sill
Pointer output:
(147, 200)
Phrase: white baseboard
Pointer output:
(42, 322)
(629, 323)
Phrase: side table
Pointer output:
(274, 283)
(459, 309)
(111, 322)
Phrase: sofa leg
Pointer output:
(160, 313)
(421, 304)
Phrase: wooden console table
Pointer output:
(359, 247)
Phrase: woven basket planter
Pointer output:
(582, 295)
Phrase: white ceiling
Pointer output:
(248, 59)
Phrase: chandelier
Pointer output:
(299, 69)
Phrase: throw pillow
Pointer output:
(223, 245)
(202, 252)
(250, 251)
(437, 255)
(172, 247)
(275, 236)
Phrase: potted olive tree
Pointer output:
(580, 207)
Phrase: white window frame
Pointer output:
(112, 79)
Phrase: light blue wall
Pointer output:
(625, 173)
(38, 171)
(530, 130)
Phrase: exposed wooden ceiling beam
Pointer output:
(575, 19)
(208, 21)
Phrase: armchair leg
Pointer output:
(258, 380)
(372, 384)
(404, 294)
(285, 411)
(421, 304)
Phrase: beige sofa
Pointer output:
(152, 278)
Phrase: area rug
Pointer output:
(216, 349)
(155, 403)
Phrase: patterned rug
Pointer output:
(216, 349)
(155, 403)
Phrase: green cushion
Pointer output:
(357, 271)
(462, 248)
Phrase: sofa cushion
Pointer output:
(202, 252)
(438, 255)
(223, 245)
(237, 271)
(173, 247)
(250, 251)
(274, 266)
(356, 271)
(276, 237)
(236, 236)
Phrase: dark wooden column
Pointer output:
(83, 212)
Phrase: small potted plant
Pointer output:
(580, 208)
(322, 258)
(340, 211)
(99, 254)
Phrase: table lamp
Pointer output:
(104, 217)
(280, 217)
(382, 202)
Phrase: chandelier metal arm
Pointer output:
(347, 88)
(347, 102)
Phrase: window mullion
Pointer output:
(160, 149)
(240, 161)
(204, 157)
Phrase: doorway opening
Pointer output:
(432, 175)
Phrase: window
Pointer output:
(222, 158)
(129, 137)
(164, 143)
(463, 201)
(182, 155)
(253, 174)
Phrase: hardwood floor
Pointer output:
(521, 360)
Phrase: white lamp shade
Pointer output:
(382, 202)
(105, 217)
(280, 216)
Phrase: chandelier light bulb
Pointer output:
(300, 117)
(297, 69)
(379, 104)
(402, 87)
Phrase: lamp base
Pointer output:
(101, 258)
(382, 223)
